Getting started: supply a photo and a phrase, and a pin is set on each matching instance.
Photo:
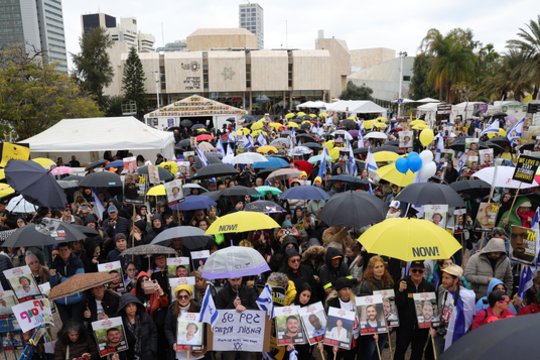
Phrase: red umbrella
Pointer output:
(303, 165)
(204, 137)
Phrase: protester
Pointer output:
(141, 334)
(74, 342)
(497, 310)
(100, 304)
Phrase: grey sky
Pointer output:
(394, 24)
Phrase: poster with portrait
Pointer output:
(174, 282)
(371, 315)
(487, 215)
(485, 158)
(130, 164)
(11, 341)
(406, 139)
(459, 221)
(523, 244)
(389, 305)
(472, 163)
(427, 312)
(110, 336)
(183, 169)
(436, 214)
(174, 192)
(189, 331)
(288, 326)
(471, 146)
(135, 188)
(314, 321)
(22, 283)
(447, 156)
(339, 327)
(7, 301)
(198, 259)
(153, 174)
(536, 143)
(178, 266)
(114, 268)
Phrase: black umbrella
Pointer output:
(164, 174)
(198, 126)
(239, 191)
(515, 338)
(306, 137)
(49, 232)
(231, 120)
(35, 184)
(85, 229)
(349, 124)
(214, 195)
(313, 146)
(265, 206)
(348, 179)
(459, 144)
(149, 249)
(360, 151)
(183, 144)
(212, 158)
(353, 209)
(192, 237)
(499, 114)
(430, 193)
(215, 170)
(73, 177)
(502, 141)
(68, 184)
(104, 179)
(471, 188)
(528, 146)
(96, 164)
(186, 123)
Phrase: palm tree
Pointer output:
(510, 75)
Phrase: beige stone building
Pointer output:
(208, 39)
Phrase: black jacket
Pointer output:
(225, 297)
(171, 321)
(109, 303)
(405, 302)
(121, 226)
(144, 333)
(330, 274)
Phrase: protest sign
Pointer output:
(189, 331)
(389, 305)
(174, 192)
(153, 174)
(183, 169)
(33, 313)
(240, 331)
(405, 139)
(526, 169)
(288, 326)
(23, 283)
(134, 188)
(110, 336)
(471, 146)
(436, 214)
(427, 313)
(486, 158)
(177, 267)
(7, 301)
(371, 315)
(114, 268)
(487, 215)
(314, 320)
(198, 259)
(12, 151)
(186, 280)
(523, 243)
(130, 164)
(339, 328)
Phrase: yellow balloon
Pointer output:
(426, 137)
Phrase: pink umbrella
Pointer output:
(61, 170)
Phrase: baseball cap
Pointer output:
(454, 270)
(395, 204)
(417, 264)
(112, 209)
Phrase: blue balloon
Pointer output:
(415, 162)
(402, 165)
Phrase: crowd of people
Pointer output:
(310, 262)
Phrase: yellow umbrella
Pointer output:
(243, 131)
(5, 190)
(266, 149)
(258, 125)
(172, 166)
(241, 221)
(382, 118)
(257, 132)
(313, 116)
(417, 122)
(158, 190)
(306, 122)
(290, 115)
(275, 125)
(201, 130)
(45, 162)
(393, 176)
(368, 124)
(329, 144)
(380, 125)
(382, 156)
(323, 114)
(301, 113)
(409, 239)
(502, 132)
(293, 125)
(420, 126)
(334, 153)
(2, 174)
(352, 117)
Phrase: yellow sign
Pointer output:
(12, 151)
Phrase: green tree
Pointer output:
(420, 87)
(34, 97)
(114, 106)
(94, 69)
(133, 81)
(353, 92)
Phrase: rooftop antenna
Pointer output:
(286, 36)
(162, 35)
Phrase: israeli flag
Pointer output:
(209, 313)
(219, 148)
(201, 156)
(440, 147)
(491, 129)
(371, 164)
(265, 302)
(261, 139)
(516, 131)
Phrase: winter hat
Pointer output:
(185, 288)
(342, 283)
(91, 218)
(289, 253)
(141, 225)
(318, 178)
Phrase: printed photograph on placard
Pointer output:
(178, 267)
(11, 341)
(288, 326)
(314, 320)
(371, 315)
(114, 268)
(7, 301)
(436, 214)
(389, 305)
(536, 143)
(523, 244)
(189, 331)
(110, 336)
(198, 259)
(406, 139)
(153, 174)
(486, 158)
(183, 169)
(339, 328)
(174, 282)
(23, 283)
(130, 164)
(472, 163)
(471, 146)
(447, 155)
(174, 192)
(427, 313)
(487, 215)
(459, 220)
(134, 188)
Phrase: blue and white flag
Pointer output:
(461, 317)
(265, 301)
(461, 161)
(528, 272)
(261, 139)
(99, 209)
(352, 169)
(322, 165)
(516, 131)
(371, 164)
(209, 313)
(229, 155)
(491, 129)
(251, 144)
(201, 156)
(360, 136)
(440, 147)
(219, 147)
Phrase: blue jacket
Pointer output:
(67, 269)
(483, 303)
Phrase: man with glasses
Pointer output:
(408, 332)
(297, 272)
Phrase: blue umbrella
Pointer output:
(305, 192)
(272, 163)
(115, 164)
(194, 202)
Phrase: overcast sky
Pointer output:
(395, 24)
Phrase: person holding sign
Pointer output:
(141, 334)
(74, 343)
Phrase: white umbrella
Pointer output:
(18, 205)
(248, 158)
(344, 133)
(503, 179)
(376, 135)
(301, 150)
(234, 261)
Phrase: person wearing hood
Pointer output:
(490, 262)
(152, 301)
(157, 227)
(141, 334)
(74, 342)
(91, 255)
(483, 303)
(138, 233)
(521, 214)
(297, 272)
(333, 269)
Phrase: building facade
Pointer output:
(38, 25)
(251, 17)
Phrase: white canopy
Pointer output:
(312, 104)
(428, 100)
(86, 137)
(356, 107)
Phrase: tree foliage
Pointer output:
(420, 87)
(353, 92)
(93, 66)
(133, 81)
(34, 97)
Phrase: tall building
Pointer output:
(92, 21)
(39, 25)
(177, 45)
(252, 19)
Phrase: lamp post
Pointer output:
(158, 84)
(401, 54)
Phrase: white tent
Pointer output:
(356, 107)
(428, 100)
(89, 138)
(313, 104)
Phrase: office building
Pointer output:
(92, 21)
(178, 45)
(251, 17)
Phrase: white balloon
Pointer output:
(426, 156)
(428, 170)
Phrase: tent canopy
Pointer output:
(355, 107)
(428, 100)
(83, 136)
(313, 104)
